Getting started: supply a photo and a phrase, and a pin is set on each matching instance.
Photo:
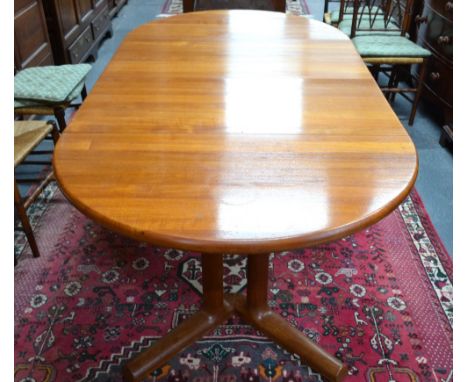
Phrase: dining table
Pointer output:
(235, 132)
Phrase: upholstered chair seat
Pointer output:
(49, 90)
(374, 45)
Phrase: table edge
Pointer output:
(246, 247)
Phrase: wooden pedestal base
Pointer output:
(217, 308)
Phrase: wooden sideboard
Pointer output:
(49, 32)
(115, 6)
(435, 32)
(76, 28)
(32, 45)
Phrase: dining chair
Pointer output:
(379, 31)
(28, 135)
(50, 90)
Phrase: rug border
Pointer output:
(434, 237)
(444, 259)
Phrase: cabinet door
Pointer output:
(85, 9)
(100, 4)
(32, 46)
(69, 17)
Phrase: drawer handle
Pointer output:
(435, 76)
(442, 40)
(448, 6)
(420, 19)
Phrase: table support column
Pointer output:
(255, 310)
(217, 307)
(212, 282)
(214, 311)
(257, 282)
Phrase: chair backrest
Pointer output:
(377, 15)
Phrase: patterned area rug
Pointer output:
(380, 300)
(295, 7)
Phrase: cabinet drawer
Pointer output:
(439, 79)
(80, 46)
(100, 23)
(437, 33)
(99, 4)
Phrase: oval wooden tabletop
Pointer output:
(236, 132)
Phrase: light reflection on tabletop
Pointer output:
(263, 105)
(245, 210)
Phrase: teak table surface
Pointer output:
(235, 132)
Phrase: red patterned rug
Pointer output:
(380, 300)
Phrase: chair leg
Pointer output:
(25, 223)
(55, 131)
(374, 69)
(60, 116)
(391, 79)
(84, 93)
(395, 84)
(422, 73)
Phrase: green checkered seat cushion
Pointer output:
(388, 46)
(50, 84)
(26, 103)
(391, 28)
